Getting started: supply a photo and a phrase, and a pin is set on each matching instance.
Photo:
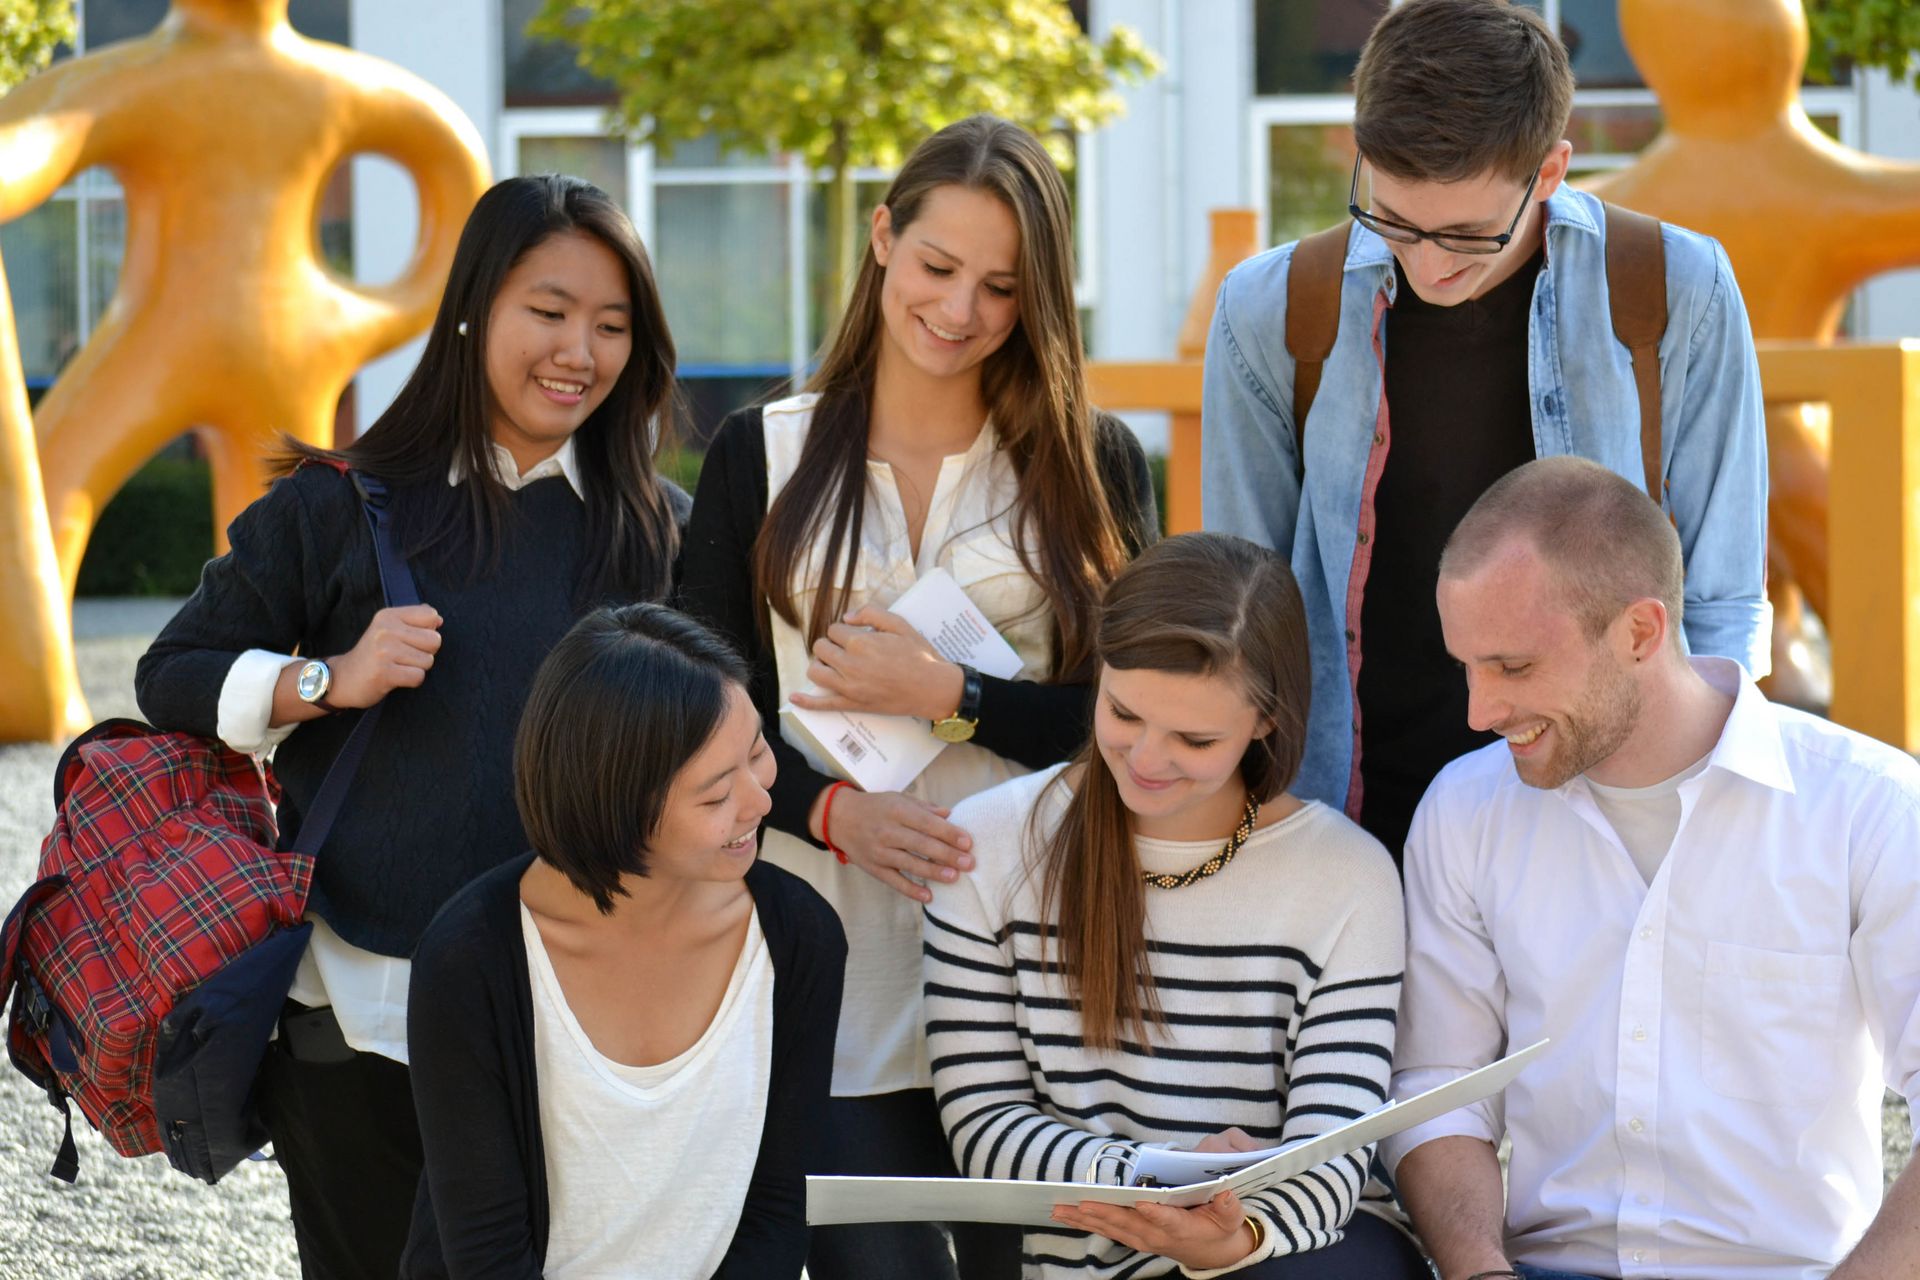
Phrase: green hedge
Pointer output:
(156, 533)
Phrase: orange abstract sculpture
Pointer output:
(1804, 220)
(223, 127)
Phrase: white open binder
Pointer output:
(832, 1200)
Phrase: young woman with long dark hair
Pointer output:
(621, 1042)
(1159, 945)
(948, 426)
(517, 460)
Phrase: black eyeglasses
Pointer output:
(1401, 233)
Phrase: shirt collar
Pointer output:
(1750, 743)
(561, 462)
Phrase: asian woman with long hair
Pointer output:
(517, 463)
(947, 427)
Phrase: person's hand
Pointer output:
(1233, 1139)
(892, 836)
(1203, 1238)
(395, 652)
(875, 661)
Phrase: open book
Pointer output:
(836, 1200)
(885, 753)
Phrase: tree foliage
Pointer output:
(1870, 33)
(30, 30)
(842, 83)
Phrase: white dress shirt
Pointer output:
(368, 992)
(1710, 1106)
(881, 1046)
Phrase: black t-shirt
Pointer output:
(1458, 413)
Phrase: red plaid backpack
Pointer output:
(149, 962)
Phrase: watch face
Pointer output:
(313, 682)
(953, 729)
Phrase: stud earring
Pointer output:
(461, 328)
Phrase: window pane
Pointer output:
(600, 160)
(334, 222)
(1309, 46)
(106, 251)
(1612, 130)
(109, 21)
(722, 255)
(315, 19)
(543, 73)
(1310, 168)
(1591, 31)
(41, 252)
(704, 153)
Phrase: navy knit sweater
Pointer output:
(432, 806)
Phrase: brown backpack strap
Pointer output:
(1313, 317)
(1637, 298)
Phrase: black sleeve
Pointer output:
(810, 953)
(716, 587)
(265, 593)
(459, 1027)
(1039, 725)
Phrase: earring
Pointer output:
(461, 328)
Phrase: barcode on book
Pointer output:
(851, 745)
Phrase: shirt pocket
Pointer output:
(991, 574)
(1770, 1024)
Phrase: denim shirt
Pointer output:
(1580, 383)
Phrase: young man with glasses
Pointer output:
(1474, 333)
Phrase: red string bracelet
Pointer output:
(826, 824)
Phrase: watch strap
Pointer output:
(970, 690)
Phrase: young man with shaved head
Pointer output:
(1710, 904)
(1473, 314)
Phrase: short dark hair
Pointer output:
(1605, 541)
(1451, 89)
(623, 702)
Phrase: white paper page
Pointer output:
(832, 1200)
(885, 753)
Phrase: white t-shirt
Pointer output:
(648, 1167)
(1646, 818)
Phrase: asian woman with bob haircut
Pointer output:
(622, 1040)
(1160, 945)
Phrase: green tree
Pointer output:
(29, 32)
(843, 83)
(1872, 33)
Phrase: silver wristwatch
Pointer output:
(315, 679)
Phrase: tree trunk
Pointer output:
(841, 219)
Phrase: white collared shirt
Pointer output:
(1710, 1106)
(368, 992)
(881, 1046)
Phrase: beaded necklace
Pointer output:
(1248, 820)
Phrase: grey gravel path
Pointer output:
(137, 1219)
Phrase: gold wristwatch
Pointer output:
(959, 726)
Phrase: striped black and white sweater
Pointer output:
(1279, 978)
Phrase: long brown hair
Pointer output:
(1199, 604)
(1066, 528)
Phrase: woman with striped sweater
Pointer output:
(1160, 946)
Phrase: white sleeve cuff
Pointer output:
(246, 702)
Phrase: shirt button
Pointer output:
(1637, 1125)
(1349, 635)
(1639, 1033)
(1379, 439)
(1363, 537)
(1640, 1200)
(1639, 1255)
(1645, 934)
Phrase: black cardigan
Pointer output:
(482, 1208)
(1032, 723)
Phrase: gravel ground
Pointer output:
(138, 1219)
